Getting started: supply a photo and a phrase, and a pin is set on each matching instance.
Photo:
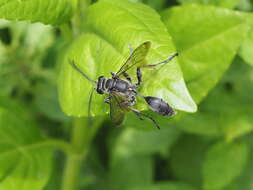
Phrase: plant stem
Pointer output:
(82, 135)
(82, 132)
(66, 31)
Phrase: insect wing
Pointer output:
(136, 58)
(117, 111)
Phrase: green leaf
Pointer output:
(245, 180)
(224, 3)
(149, 142)
(105, 49)
(224, 162)
(46, 101)
(227, 109)
(165, 186)
(46, 11)
(133, 161)
(235, 101)
(37, 37)
(130, 171)
(56, 175)
(24, 163)
(207, 39)
(186, 159)
(157, 4)
(245, 5)
(74, 90)
(23, 56)
(247, 48)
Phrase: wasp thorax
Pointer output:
(159, 106)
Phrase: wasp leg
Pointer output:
(139, 76)
(113, 74)
(139, 114)
(163, 62)
(127, 77)
(107, 100)
(138, 71)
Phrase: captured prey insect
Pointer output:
(122, 91)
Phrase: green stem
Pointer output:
(58, 144)
(66, 31)
(82, 135)
(82, 132)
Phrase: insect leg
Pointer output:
(127, 77)
(138, 71)
(160, 63)
(107, 100)
(139, 76)
(138, 113)
(113, 74)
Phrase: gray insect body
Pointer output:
(106, 85)
(159, 106)
(117, 85)
(122, 93)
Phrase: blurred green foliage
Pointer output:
(42, 147)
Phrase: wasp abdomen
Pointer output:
(159, 106)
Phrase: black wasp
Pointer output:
(122, 92)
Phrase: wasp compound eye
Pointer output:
(159, 106)
(100, 85)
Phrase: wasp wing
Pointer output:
(136, 58)
(117, 109)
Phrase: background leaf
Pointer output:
(130, 171)
(166, 186)
(107, 48)
(21, 58)
(232, 116)
(74, 90)
(225, 3)
(224, 162)
(247, 47)
(207, 39)
(24, 162)
(244, 181)
(46, 11)
(186, 159)
(149, 141)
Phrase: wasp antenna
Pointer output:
(170, 58)
(72, 63)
